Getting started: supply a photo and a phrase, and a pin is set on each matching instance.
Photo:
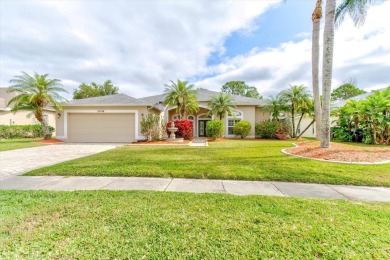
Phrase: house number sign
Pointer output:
(100, 111)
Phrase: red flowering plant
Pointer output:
(184, 128)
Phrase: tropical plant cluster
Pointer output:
(153, 127)
(371, 115)
(184, 129)
(242, 129)
(22, 131)
(214, 129)
(297, 102)
(272, 129)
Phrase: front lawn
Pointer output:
(11, 144)
(155, 225)
(233, 159)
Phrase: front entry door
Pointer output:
(202, 128)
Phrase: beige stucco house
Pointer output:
(116, 118)
(21, 117)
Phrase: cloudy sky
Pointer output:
(142, 45)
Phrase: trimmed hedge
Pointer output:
(214, 129)
(22, 131)
(273, 130)
(184, 129)
(242, 129)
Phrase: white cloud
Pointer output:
(362, 53)
(139, 45)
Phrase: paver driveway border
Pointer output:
(19, 161)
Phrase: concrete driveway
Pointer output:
(19, 161)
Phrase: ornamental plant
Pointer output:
(273, 129)
(214, 129)
(152, 127)
(242, 129)
(184, 128)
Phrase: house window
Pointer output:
(233, 119)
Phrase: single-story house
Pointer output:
(21, 117)
(116, 118)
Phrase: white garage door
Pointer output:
(85, 127)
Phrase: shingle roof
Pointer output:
(206, 95)
(117, 99)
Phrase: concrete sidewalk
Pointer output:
(287, 189)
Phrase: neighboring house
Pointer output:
(311, 132)
(116, 118)
(21, 117)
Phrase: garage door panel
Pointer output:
(85, 127)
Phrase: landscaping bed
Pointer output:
(155, 225)
(341, 152)
(161, 142)
(52, 141)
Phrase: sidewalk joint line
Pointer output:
(168, 185)
(48, 182)
(115, 179)
(223, 186)
(278, 189)
(342, 194)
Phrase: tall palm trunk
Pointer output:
(293, 120)
(327, 71)
(316, 18)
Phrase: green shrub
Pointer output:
(273, 129)
(152, 127)
(214, 129)
(22, 131)
(242, 129)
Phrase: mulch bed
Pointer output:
(185, 142)
(341, 152)
(52, 141)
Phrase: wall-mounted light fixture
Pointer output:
(58, 115)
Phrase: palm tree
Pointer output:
(327, 67)
(221, 105)
(35, 94)
(306, 110)
(358, 11)
(182, 95)
(295, 97)
(316, 18)
(276, 105)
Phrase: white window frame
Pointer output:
(236, 120)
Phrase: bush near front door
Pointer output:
(242, 129)
(214, 129)
(184, 129)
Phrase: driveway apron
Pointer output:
(19, 161)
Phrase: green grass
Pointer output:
(12, 144)
(234, 159)
(153, 225)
